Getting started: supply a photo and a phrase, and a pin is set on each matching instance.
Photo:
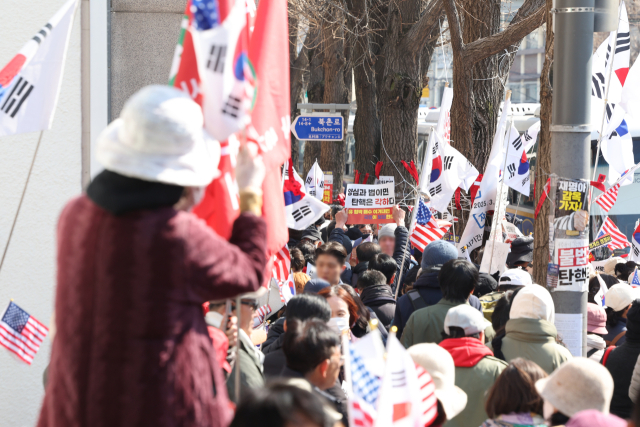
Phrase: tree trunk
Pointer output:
(315, 93)
(335, 92)
(299, 72)
(543, 161)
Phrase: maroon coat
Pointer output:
(132, 347)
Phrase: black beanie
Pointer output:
(633, 322)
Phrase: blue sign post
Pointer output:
(320, 127)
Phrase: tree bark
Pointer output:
(299, 78)
(543, 161)
(315, 93)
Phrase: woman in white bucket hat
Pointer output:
(132, 346)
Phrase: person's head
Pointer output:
(281, 405)
(312, 348)
(308, 252)
(307, 306)
(297, 260)
(594, 285)
(596, 320)
(364, 315)
(409, 279)
(159, 137)
(439, 364)
(344, 309)
(633, 323)
(335, 209)
(300, 280)
(354, 233)
(593, 418)
(610, 265)
(458, 278)
(370, 278)
(436, 254)
(464, 321)
(385, 264)
(417, 255)
(314, 286)
(330, 262)
(577, 385)
(366, 251)
(618, 299)
(514, 278)
(365, 228)
(620, 271)
(533, 302)
(312, 235)
(514, 391)
(387, 238)
(501, 310)
(248, 307)
(319, 222)
(521, 254)
(630, 268)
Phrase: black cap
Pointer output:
(521, 251)
(312, 234)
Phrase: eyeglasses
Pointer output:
(252, 304)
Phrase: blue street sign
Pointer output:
(323, 127)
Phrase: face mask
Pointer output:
(547, 410)
(339, 324)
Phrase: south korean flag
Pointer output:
(302, 210)
(517, 171)
(30, 82)
(315, 182)
(634, 255)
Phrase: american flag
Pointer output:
(428, 396)
(21, 333)
(619, 240)
(282, 264)
(263, 312)
(366, 389)
(608, 198)
(427, 229)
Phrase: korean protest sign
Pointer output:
(328, 188)
(370, 204)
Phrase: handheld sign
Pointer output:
(370, 204)
(318, 127)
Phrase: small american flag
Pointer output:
(619, 240)
(21, 333)
(428, 396)
(282, 264)
(427, 229)
(608, 198)
(366, 389)
(263, 312)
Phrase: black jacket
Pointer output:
(402, 237)
(428, 287)
(276, 332)
(380, 300)
(357, 271)
(620, 364)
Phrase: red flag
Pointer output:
(366, 178)
(545, 193)
(599, 184)
(457, 197)
(378, 169)
(270, 120)
(475, 187)
(356, 178)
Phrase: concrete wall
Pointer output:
(143, 38)
(28, 274)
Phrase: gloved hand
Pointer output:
(250, 169)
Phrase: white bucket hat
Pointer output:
(439, 364)
(619, 296)
(577, 385)
(160, 137)
(533, 302)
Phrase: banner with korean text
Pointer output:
(370, 204)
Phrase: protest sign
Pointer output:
(604, 240)
(370, 204)
(599, 265)
(328, 188)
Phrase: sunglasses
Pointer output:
(252, 304)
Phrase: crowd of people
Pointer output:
(134, 347)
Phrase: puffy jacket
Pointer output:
(634, 387)
(621, 363)
(380, 300)
(535, 340)
(476, 371)
(428, 287)
(402, 237)
(276, 330)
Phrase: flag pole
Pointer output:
(606, 99)
(499, 194)
(347, 375)
(24, 191)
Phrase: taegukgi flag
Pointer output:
(30, 82)
(301, 209)
(315, 182)
(517, 170)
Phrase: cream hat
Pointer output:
(619, 296)
(533, 302)
(466, 317)
(439, 363)
(160, 137)
(577, 385)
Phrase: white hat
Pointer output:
(388, 230)
(439, 363)
(533, 302)
(577, 385)
(515, 277)
(610, 265)
(619, 296)
(466, 317)
(160, 137)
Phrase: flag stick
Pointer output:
(237, 361)
(606, 99)
(347, 375)
(24, 191)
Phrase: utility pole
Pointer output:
(574, 23)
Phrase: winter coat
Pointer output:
(516, 420)
(621, 363)
(380, 300)
(427, 324)
(428, 287)
(357, 271)
(614, 331)
(132, 347)
(276, 331)
(595, 347)
(476, 371)
(534, 339)
(402, 237)
(251, 371)
(634, 387)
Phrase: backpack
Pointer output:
(416, 300)
(489, 302)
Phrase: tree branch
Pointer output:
(423, 30)
(455, 30)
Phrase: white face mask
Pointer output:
(547, 410)
(339, 324)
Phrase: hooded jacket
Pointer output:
(428, 287)
(476, 371)
(380, 300)
(534, 339)
(130, 331)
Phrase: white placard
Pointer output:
(311, 271)
(569, 328)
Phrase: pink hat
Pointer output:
(596, 319)
(593, 418)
